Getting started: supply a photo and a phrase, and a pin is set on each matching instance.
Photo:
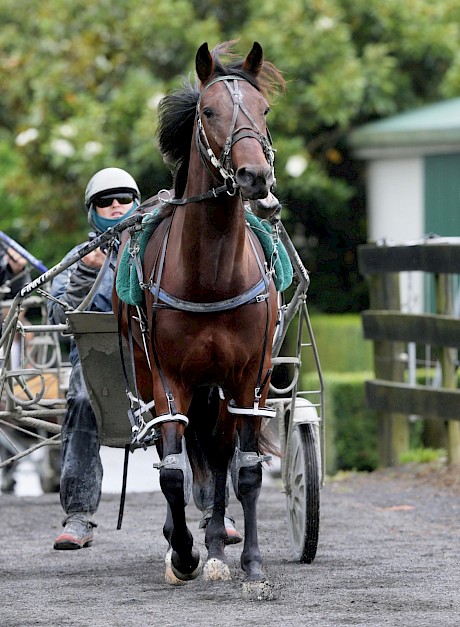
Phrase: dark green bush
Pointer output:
(351, 427)
(340, 342)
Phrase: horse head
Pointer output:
(234, 141)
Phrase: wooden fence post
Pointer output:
(447, 359)
(393, 427)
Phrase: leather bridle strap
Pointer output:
(224, 165)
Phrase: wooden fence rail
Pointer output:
(391, 330)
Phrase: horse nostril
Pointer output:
(246, 177)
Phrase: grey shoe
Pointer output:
(78, 532)
(233, 535)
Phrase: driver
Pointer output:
(111, 196)
(11, 264)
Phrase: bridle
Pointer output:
(224, 164)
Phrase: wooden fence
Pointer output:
(393, 330)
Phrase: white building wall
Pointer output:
(396, 213)
(395, 199)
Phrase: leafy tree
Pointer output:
(81, 82)
(80, 93)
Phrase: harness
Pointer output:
(258, 293)
(143, 432)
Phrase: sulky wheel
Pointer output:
(302, 491)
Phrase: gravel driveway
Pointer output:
(389, 554)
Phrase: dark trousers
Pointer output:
(81, 467)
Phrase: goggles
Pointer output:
(106, 201)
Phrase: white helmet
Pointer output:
(110, 180)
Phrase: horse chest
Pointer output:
(204, 339)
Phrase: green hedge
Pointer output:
(340, 342)
(351, 427)
(346, 362)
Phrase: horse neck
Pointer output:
(213, 247)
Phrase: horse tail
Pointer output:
(267, 441)
(202, 445)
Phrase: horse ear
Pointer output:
(204, 63)
(254, 60)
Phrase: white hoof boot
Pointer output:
(170, 577)
(257, 591)
(187, 576)
(216, 570)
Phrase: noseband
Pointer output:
(224, 164)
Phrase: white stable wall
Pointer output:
(395, 199)
(396, 213)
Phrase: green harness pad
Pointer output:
(127, 281)
(275, 254)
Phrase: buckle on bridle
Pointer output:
(232, 185)
(168, 198)
(261, 298)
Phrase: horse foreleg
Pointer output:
(182, 556)
(247, 483)
(216, 568)
(170, 577)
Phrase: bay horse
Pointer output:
(210, 303)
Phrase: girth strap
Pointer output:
(255, 411)
(149, 427)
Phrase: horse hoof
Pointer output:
(257, 591)
(170, 577)
(216, 570)
(193, 574)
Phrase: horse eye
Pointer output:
(208, 113)
(267, 110)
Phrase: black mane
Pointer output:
(176, 117)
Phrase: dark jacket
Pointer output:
(72, 285)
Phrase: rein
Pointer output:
(170, 200)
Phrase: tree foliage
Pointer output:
(81, 82)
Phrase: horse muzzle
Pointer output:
(268, 208)
(254, 182)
